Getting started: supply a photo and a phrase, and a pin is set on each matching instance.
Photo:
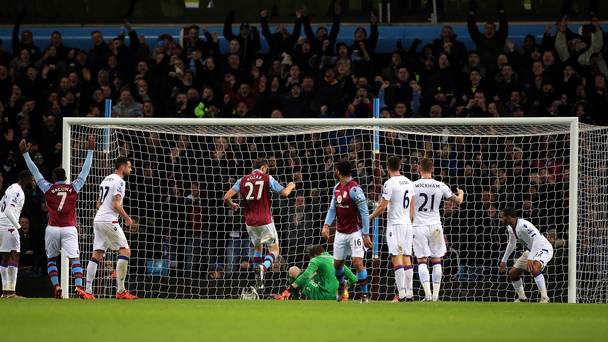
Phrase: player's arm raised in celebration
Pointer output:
(231, 193)
(117, 205)
(357, 195)
(24, 148)
(86, 167)
(508, 251)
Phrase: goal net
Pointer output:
(187, 244)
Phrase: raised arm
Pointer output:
(503, 28)
(255, 39)
(373, 33)
(16, 40)
(212, 42)
(133, 38)
(265, 28)
(335, 26)
(307, 28)
(24, 147)
(86, 167)
(228, 26)
(297, 28)
(472, 23)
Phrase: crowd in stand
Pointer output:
(304, 73)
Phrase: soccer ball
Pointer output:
(249, 293)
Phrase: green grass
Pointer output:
(229, 320)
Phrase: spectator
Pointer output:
(491, 43)
(127, 107)
(248, 39)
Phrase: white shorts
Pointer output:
(56, 238)
(348, 244)
(544, 254)
(399, 238)
(429, 241)
(10, 241)
(263, 235)
(108, 235)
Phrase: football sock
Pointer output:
(77, 272)
(91, 272)
(51, 268)
(121, 272)
(400, 280)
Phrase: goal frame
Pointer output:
(573, 123)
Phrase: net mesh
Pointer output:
(187, 244)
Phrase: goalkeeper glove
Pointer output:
(286, 294)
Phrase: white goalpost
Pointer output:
(187, 244)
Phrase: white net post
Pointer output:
(573, 211)
(188, 245)
(66, 157)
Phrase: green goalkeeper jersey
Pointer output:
(320, 270)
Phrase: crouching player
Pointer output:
(318, 281)
(538, 253)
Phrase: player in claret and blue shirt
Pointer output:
(61, 197)
(349, 208)
(255, 189)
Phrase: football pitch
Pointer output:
(234, 320)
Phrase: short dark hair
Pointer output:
(120, 161)
(315, 250)
(25, 175)
(509, 211)
(344, 167)
(426, 165)
(258, 163)
(394, 163)
(59, 174)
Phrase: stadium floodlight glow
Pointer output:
(188, 245)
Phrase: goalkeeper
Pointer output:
(318, 281)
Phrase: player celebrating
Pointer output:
(349, 206)
(428, 232)
(398, 196)
(61, 230)
(255, 189)
(108, 233)
(10, 246)
(539, 252)
(319, 281)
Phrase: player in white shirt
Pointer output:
(10, 246)
(398, 196)
(108, 232)
(428, 232)
(537, 255)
